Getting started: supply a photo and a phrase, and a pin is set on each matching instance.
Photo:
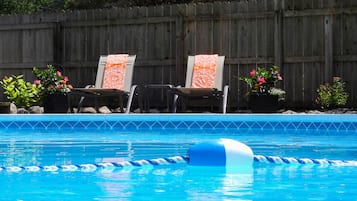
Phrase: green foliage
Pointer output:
(29, 6)
(93, 4)
(332, 96)
(84, 4)
(20, 92)
(52, 80)
(32, 6)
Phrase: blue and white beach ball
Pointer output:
(223, 152)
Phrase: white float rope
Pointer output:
(303, 161)
(171, 160)
(97, 166)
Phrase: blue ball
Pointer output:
(222, 152)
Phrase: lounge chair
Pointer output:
(204, 80)
(114, 79)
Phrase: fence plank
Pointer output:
(190, 31)
(328, 22)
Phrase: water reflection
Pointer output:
(226, 183)
(177, 182)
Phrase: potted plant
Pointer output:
(55, 89)
(20, 92)
(263, 96)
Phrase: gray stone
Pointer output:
(152, 110)
(104, 110)
(13, 108)
(289, 112)
(314, 112)
(137, 110)
(36, 110)
(351, 112)
(117, 110)
(22, 110)
(88, 110)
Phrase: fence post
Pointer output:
(328, 70)
(58, 43)
(179, 50)
(278, 33)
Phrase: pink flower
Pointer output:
(252, 73)
(280, 78)
(59, 73)
(261, 80)
(36, 82)
(65, 78)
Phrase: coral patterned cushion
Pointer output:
(114, 71)
(204, 71)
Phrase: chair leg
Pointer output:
(79, 106)
(130, 99)
(121, 103)
(174, 105)
(225, 98)
(139, 95)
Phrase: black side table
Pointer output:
(150, 90)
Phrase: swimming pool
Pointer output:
(40, 140)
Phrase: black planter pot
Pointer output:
(56, 103)
(264, 103)
(4, 107)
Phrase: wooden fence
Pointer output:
(311, 41)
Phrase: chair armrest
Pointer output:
(154, 86)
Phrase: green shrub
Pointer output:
(332, 96)
(20, 92)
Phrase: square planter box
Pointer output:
(56, 103)
(264, 103)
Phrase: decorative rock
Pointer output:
(118, 110)
(36, 110)
(13, 108)
(153, 110)
(22, 111)
(314, 112)
(89, 110)
(289, 112)
(137, 110)
(104, 110)
(351, 112)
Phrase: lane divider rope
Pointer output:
(172, 160)
(97, 166)
(303, 161)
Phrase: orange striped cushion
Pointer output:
(114, 71)
(204, 71)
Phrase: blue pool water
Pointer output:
(28, 140)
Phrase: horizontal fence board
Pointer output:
(13, 27)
